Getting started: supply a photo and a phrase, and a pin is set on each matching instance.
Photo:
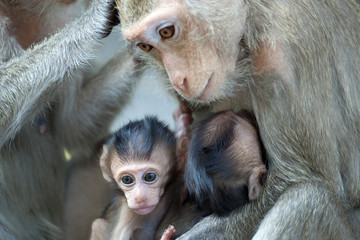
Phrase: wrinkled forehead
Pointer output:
(132, 10)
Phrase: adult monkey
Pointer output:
(45, 106)
(294, 64)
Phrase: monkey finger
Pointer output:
(182, 119)
(113, 17)
(182, 146)
(177, 113)
(183, 108)
(186, 119)
(182, 125)
(168, 233)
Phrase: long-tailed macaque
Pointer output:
(225, 162)
(294, 64)
(47, 104)
(140, 159)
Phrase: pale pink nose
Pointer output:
(140, 195)
(180, 84)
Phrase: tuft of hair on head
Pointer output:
(137, 139)
(212, 168)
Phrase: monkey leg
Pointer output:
(31, 188)
(354, 218)
(83, 204)
(306, 211)
(99, 229)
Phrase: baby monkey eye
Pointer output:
(127, 179)
(167, 32)
(145, 47)
(150, 177)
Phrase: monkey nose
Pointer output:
(180, 84)
(141, 198)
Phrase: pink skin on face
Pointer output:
(142, 191)
(181, 56)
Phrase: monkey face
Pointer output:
(198, 63)
(143, 185)
(142, 181)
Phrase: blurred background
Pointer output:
(149, 97)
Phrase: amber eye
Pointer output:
(167, 32)
(127, 179)
(145, 47)
(150, 177)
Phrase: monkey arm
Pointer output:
(309, 210)
(28, 81)
(301, 212)
(99, 100)
(213, 227)
(9, 47)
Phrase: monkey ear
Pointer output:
(181, 153)
(104, 164)
(256, 182)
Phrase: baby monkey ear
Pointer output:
(257, 182)
(104, 164)
(181, 153)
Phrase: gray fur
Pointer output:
(309, 124)
(41, 81)
(308, 117)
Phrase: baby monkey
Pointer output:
(224, 166)
(140, 159)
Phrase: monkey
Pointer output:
(140, 160)
(226, 151)
(47, 104)
(188, 214)
(294, 66)
(168, 233)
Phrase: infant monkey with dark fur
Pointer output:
(142, 161)
(225, 158)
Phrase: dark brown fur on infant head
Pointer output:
(225, 160)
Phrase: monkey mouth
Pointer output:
(144, 210)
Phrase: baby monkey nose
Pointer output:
(140, 197)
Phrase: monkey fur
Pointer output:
(294, 65)
(225, 160)
(47, 105)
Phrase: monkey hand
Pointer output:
(168, 233)
(102, 15)
(183, 120)
(113, 17)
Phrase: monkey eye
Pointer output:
(127, 179)
(167, 32)
(145, 47)
(150, 177)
